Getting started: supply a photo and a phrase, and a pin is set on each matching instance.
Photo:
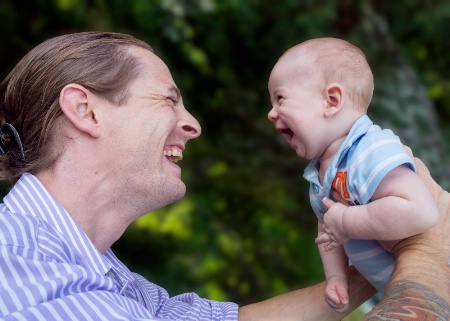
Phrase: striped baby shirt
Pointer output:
(364, 158)
(50, 270)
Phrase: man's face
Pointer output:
(297, 107)
(149, 133)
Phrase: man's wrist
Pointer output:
(419, 288)
(409, 300)
(417, 261)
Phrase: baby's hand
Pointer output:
(328, 241)
(333, 225)
(336, 293)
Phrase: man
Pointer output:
(101, 124)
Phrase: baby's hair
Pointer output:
(343, 63)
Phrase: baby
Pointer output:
(320, 91)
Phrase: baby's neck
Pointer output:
(339, 127)
(327, 158)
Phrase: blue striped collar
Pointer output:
(359, 128)
(311, 172)
(29, 196)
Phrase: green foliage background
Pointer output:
(244, 232)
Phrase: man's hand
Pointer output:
(420, 286)
(335, 234)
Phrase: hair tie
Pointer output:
(10, 139)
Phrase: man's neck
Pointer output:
(88, 202)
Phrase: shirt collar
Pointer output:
(29, 196)
(359, 128)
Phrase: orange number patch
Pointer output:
(340, 184)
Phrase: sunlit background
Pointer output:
(245, 230)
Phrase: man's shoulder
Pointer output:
(27, 235)
(15, 227)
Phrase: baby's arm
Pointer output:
(401, 207)
(335, 265)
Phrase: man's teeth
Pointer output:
(174, 155)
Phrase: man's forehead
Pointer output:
(155, 75)
(151, 63)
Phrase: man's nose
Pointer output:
(190, 125)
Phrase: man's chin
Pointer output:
(177, 193)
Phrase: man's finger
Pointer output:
(408, 151)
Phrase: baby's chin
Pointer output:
(302, 154)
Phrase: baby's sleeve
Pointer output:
(375, 155)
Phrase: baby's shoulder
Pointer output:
(377, 135)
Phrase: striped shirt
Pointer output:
(365, 157)
(50, 270)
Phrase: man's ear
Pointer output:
(77, 104)
(334, 95)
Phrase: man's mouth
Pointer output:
(173, 153)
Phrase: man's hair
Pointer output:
(29, 95)
(341, 62)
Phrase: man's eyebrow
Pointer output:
(175, 91)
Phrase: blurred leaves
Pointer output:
(245, 230)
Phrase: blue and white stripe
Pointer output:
(50, 270)
(367, 155)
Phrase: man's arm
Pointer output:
(307, 304)
(420, 286)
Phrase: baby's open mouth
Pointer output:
(286, 132)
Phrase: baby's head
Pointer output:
(332, 60)
(318, 89)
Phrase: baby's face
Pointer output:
(298, 107)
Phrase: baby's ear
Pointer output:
(334, 95)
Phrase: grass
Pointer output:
(356, 315)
